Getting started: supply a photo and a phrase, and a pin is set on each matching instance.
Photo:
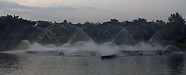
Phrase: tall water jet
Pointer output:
(79, 43)
(109, 34)
(80, 35)
(157, 37)
(123, 38)
(105, 37)
(136, 36)
(33, 31)
(46, 31)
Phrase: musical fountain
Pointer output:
(81, 44)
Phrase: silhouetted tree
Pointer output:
(177, 27)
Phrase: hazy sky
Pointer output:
(92, 10)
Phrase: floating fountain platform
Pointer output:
(150, 52)
(108, 56)
(44, 52)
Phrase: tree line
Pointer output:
(13, 29)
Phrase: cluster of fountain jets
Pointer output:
(81, 44)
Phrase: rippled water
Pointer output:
(32, 64)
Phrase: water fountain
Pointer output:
(80, 43)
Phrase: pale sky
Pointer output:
(92, 10)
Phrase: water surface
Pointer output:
(35, 64)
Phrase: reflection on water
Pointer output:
(31, 64)
(176, 64)
(8, 63)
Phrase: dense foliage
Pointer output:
(13, 29)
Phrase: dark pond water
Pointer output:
(32, 64)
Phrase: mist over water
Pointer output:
(82, 44)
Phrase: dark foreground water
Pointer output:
(32, 64)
